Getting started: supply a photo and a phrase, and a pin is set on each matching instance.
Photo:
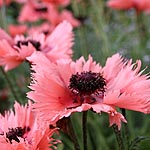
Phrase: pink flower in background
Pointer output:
(6, 2)
(58, 17)
(46, 11)
(16, 29)
(58, 2)
(12, 55)
(139, 5)
(55, 46)
(59, 43)
(120, 4)
(22, 130)
(22, 1)
(35, 10)
(67, 15)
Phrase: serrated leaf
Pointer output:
(135, 143)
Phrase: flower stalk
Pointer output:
(126, 130)
(9, 83)
(84, 129)
(118, 137)
(72, 134)
(3, 16)
(142, 31)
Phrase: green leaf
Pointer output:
(135, 143)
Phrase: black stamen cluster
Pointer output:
(46, 32)
(87, 83)
(36, 44)
(41, 9)
(14, 133)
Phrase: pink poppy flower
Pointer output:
(46, 11)
(58, 17)
(67, 15)
(119, 4)
(55, 46)
(36, 10)
(58, 2)
(16, 29)
(7, 2)
(139, 5)
(12, 55)
(21, 1)
(45, 28)
(22, 130)
(86, 85)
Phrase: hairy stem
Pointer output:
(126, 130)
(9, 83)
(72, 134)
(118, 137)
(142, 30)
(3, 16)
(84, 129)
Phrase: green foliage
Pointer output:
(134, 145)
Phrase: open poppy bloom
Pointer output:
(11, 56)
(55, 46)
(36, 10)
(58, 2)
(22, 130)
(139, 5)
(67, 15)
(6, 2)
(46, 11)
(66, 87)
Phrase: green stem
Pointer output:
(118, 137)
(9, 83)
(3, 16)
(72, 134)
(141, 28)
(126, 129)
(84, 128)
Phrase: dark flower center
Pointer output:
(87, 83)
(41, 9)
(14, 133)
(46, 32)
(36, 44)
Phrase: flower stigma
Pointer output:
(14, 133)
(87, 85)
(34, 43)
(41, 9)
